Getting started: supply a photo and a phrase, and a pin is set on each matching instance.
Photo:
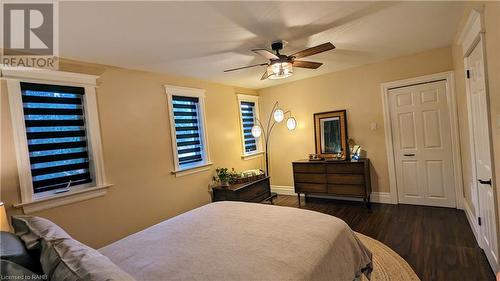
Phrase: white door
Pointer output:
(421, 128)
(482, 156)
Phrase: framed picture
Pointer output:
(330, 133)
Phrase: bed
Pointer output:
(243, 241)
(218, 241)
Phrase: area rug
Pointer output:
(387, 264)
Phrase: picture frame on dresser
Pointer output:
(330, 135)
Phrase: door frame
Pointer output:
(473, 34)
(448, 78)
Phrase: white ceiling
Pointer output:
(201, 39)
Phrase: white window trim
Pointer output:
(29, 202)
(259, 151)
(171, 90)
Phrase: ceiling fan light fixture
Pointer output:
(279, 70)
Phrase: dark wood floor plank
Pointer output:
(437, 242)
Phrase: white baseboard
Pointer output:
(283, 189)
(475, 229)
(381, 197)
(375, 197)
(472, 219)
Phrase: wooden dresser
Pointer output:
(336, 178)
(255, 191)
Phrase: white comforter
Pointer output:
(243, 241)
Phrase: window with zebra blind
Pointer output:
(56, 135)
(187, 119)
(249, 111)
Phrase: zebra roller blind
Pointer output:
(57, 140)
(187, 130)
(248, 120)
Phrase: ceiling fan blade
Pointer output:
(307, 64)
(265, 53)
(264, 76)
(314, 50)
(233, 69)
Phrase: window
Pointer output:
(57, 140)
(248, 120)
(57, 137)
(249, 112)
(189, 142)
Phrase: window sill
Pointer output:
(252, 155)
(191, 170)
(63, 199)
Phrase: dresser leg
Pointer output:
(366, 200)
(298, 198)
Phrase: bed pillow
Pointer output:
(30, 229)
(68, 260)
(63, 258)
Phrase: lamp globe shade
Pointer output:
(279, 115)
(256, 131)
(291, 124)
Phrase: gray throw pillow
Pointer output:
(68, 260)
(30, 229)
(63, 258)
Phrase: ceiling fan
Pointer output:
(281, 66)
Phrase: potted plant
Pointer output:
(225, 176)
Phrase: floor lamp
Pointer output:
(277, 116)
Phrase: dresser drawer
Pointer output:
(346, 189)
(345, 178)
(309, 178)
(250, 192)
(310, 187)
(309, 168)
(346, 168)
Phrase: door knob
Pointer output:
(485, 181)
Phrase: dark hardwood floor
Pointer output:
(437, 242)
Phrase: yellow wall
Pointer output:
(358, 91)
(137, 154)
(492, 39)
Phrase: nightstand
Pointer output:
(254, 191)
